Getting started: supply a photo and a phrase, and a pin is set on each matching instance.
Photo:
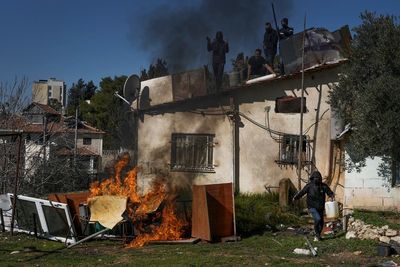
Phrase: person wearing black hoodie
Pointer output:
(219, 48)
(316, 192)
(270, 44)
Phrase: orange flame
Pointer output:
(171, 227)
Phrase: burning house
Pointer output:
(248, 134)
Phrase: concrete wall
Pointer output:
(154, 150)
(58, 90)
(258, 151)
(40, 93)
(97, 143)
(367, 190)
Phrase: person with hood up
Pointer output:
(219, 48)
(316, 192)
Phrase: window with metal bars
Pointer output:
(192, 152)
(289, 150)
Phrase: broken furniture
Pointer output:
(212, 211)
(43, 218)
(74, 201)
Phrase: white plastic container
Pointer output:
(331, 209)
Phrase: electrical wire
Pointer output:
(318, 120)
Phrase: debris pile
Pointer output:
(153, 213)
(358, 229)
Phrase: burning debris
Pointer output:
(153, 214)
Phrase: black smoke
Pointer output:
(178, 33)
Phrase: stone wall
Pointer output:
(367, 190)
(361, 230)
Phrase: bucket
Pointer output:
(234, 78)
(332, 209)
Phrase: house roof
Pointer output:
(242, 87)
(45, 108)
(80, 151)
(18, 122)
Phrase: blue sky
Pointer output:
(72, 39)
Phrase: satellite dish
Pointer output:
(131, 88)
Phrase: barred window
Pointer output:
(192, 152)
(289, 149)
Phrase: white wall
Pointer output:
(154, 151)
(367, 190)
(258, 151)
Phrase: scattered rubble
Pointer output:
(361, 230)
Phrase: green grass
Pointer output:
(256, 213)
(270, 249)
(380, 218)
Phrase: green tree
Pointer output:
(54, 103)
(368, 92)
(79, 92)
(109, 113)
(159, 69)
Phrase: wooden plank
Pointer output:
(220, 207)
(200, 219)
(212, 211)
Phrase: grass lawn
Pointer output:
(263, 250)
(379, 218)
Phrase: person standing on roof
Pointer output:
(270, 44)
(286, 31)
(257, 65)
(219, 48)
(316, 192)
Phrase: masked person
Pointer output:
(316, 192)
(219, 48)
(270, 44)
(286, 31)
(257, 65)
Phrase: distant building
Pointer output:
(48, 136)
(45, 90)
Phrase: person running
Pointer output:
(316, 192)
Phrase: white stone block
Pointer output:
(373, 183)
(391, 233)
(384, 239)
(350, 234)
(353, 182)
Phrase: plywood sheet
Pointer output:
(107, 210)
(212, 211)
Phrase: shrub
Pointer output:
(256, 213)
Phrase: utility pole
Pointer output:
(76, 135)
(44, 151)
(14, 200)
(300, 145)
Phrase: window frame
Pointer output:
(85, 143)
(209, 158)
(293, 150)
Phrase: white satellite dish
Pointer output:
(131, 88)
